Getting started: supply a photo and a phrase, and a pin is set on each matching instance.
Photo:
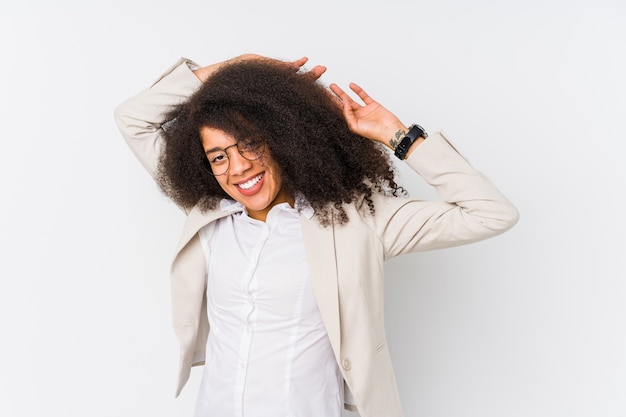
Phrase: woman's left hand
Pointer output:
(370, 119)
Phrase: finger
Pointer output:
(335, 98)
(317, 71)
(298, 63)
(348, 103)
(361, 93)
(342, 95)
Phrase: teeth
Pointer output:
(249, 184)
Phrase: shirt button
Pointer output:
(346, 364)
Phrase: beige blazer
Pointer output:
(346, 261)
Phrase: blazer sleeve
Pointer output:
(471, 209)
(140, 118)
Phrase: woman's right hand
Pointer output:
(205, 72)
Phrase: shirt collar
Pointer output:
(231, 205)
(302, 205)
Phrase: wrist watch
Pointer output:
(415, 131)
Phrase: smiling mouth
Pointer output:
(250, 183)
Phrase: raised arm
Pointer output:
(471, 209)
(141, 117)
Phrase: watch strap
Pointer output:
(415, 131)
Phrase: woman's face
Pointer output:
(254, 183)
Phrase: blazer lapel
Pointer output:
(320, 247)
(195, 221)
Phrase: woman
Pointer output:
(292, 209)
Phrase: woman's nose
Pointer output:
(238, 164)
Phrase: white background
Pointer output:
(531, 323)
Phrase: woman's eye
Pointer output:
(252, 148)
(256, 145)
(217, 158)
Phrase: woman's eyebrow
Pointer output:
(214, 149)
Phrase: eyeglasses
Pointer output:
(217, 161)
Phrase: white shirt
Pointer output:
(268, 353)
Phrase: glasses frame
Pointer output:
(206, 164)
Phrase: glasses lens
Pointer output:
(218, 162)
(251, 150)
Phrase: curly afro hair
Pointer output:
(317, 155)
